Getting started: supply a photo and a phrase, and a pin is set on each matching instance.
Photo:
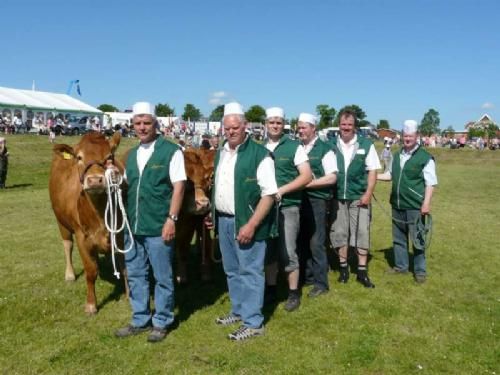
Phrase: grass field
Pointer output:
(451, 324)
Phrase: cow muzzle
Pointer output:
(94, 183)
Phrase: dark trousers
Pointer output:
(312, 237)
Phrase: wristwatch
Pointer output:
(173, 217)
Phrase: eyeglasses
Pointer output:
(143, 123)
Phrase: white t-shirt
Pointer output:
(372, 161)
(224, 179)
(429, 170)
(176, 169)
(329, 161)
(300, 154)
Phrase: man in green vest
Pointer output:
(293, 173)
(358, 162)
(155, 175)
(313, 213)
(243, 195)
(413, 177)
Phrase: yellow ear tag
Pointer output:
(66, 155)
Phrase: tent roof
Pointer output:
(43, 100)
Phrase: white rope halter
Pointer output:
(115, 202)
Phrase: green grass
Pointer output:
(448, 325)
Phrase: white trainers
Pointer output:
(244, 333)
(227, 320)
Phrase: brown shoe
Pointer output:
(157, 334)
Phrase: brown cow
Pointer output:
(77, 191)
(199, 164)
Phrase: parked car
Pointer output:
(77, 126)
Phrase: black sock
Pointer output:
(293, 292)
(343, 267)
(362, 271)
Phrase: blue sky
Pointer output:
(395, 59)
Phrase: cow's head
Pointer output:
(199, 170)
(91, 156)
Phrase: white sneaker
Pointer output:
(227, 320)
(244, 333)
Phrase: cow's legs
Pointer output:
(89, 260)
(203, 234)
(67, 240)
(184, 235)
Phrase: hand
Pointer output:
(365, 200)
(425, 209)
(209, 224)
(245, 234)
(168, 231)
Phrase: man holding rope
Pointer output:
(155, 175)
(413, 179)
(357, 162)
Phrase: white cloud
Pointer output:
(217, 97)
(488, 105)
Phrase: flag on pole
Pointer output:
(78, 87)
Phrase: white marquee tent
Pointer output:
(35, 100)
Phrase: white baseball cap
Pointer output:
(275, 112)
(233, 108)
(143, 108)
(307, 117)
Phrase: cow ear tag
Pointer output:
(66, 155)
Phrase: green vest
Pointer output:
(316, 155)
(149, 194)
(246, 188)
(352, 185)
(408, 184)
(285, 169)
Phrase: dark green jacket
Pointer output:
(352, 185)
(316, 155)
(285, 169)
(246, 189)
(408, 184)
(149, 194)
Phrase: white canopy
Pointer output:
(43, 100)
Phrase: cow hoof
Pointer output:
(70, 277)
(90, 309)
(182, 280)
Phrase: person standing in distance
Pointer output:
(293, 173)
(243, 195)
(413, 175)
(156, 176)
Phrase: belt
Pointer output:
(223, 214)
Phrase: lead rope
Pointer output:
(423, 228)
(115, 202)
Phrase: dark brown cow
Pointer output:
(77, 190)
(199, 164)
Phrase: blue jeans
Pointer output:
(157, 253)
(400, 233)
(244, 268)
(313, 234)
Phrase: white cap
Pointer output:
(143, 108)
(307, 117)
(410, 126)
(233, 108)
(275, 112)
(2, 139)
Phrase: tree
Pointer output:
(360, 115)
(164, 110)
(191, 113)
(255, 114)
(327, 114)
(430, 123)
(448, 131)
(383, 124)
(217, 113)
(108, 108)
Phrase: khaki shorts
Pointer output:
(351, 224)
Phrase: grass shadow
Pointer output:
(106, 273)
(15, 186)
